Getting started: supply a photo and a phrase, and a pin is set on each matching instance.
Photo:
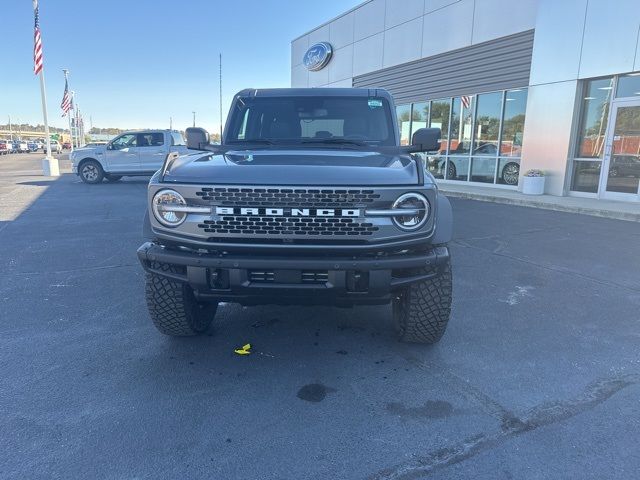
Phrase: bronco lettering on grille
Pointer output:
(289, 212)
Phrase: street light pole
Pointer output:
(10, 129)
(194, 119)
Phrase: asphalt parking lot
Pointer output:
(537, 376)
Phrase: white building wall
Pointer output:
(574, 40)
(383, 33)
(596, 38)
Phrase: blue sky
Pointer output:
(134, 63)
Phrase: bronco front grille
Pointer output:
(311, 226)
(291, 197)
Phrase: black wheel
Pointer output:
(421, 311)
(511, 173)
(112, 178)
(173, 307)
(91, 172)
(451, 171)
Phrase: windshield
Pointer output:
(177, 139)
(312, 120)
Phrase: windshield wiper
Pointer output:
(336, 141)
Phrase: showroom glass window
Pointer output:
(515, 107)
(420, 119)
(460, 138)
(486, 136)
(593, 118)
(592, 130)
(419, 116)
(404, 123)
(439, 111)
(628, 86)
(481, 136)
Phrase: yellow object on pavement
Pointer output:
(245, 350)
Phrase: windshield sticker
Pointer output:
(374, 103)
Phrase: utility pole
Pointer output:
(220, 97)
(66, 79)
(194, 119)
(10, 129)
(170, 123)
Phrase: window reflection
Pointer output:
(440, 111)
(474, 154)
(419, 116)
(624, 165)
(593, 118)
(515, 107)
(460, 138)
(457, 168)
(508, 171)
(487, 125)
(403, 113)
(483, 169)
(586, 176)
(629, 86)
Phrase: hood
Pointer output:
(89, 149)
(295, 167)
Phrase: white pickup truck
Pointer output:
(130, 154)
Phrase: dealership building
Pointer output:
(514, 85)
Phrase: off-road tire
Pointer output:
(172, 306)
(112, 178)
(90, 171)
(421, 311)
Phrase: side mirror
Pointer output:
(197, 138)
(426, 139)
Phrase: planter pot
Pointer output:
(533, 185)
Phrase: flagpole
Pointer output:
(66, 79)
(50, 166)
(72, 113)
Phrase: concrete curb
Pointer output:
(533, 203)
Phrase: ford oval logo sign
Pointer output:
(317, 56)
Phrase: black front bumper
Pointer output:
(343, 281)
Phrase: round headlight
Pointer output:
(164, 203)
(419, 207)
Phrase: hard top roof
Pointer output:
(314, 92)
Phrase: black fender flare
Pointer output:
(147, 233)
(444, 221)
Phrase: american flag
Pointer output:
(466, 101)
(37, 42)
(67, 102)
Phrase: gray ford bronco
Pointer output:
(309, 199)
